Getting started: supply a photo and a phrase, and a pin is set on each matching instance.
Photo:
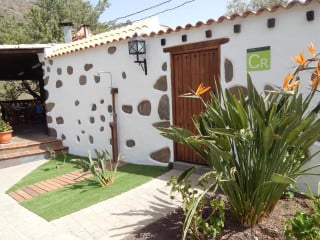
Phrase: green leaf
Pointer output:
(278, 178)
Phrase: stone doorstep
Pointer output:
(45, 186)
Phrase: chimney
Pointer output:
(67, 31)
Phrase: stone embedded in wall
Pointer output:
(228, 68)
(87, 67)
(97, 78)
(83, 131)
(52, 132)
(93, 107)
(92, 120)
(79, 121)
(83, 80)
(102, 101)
(130, 143)
(49, 119)
(78, 138)
(112, 49)
(102, 118)
(59, 120)
(127, 108)
(48, 69)
(46, 95)
(163, 124)
(162, 155)
(101, 129)
(69, 70)
(63, 137)
(76, 102)
(161, 84)
(46, 80)
(109, 108)
(59, 71)
(235, 91)
(91, 139)
(144, 108)
(163, 108)
(59, 84)
(50, 61)
(124, 75)
(49, 106)
(164, 66)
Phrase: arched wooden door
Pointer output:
(190, 65)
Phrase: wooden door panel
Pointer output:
(189, 70)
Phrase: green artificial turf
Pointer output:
(77, 196)
(49, 170)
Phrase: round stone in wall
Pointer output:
(59, 120)
(63, 137)
(102, 118)
(236, 89)
(109, 108)
(162, 155)
(83, 131)
(93, 107)
(79, 121)
(49, 106)
(69, 70)
(78, 138)
(59, 71)
(130, 143)
(127, 108)
(82, 80)
(92, 120)
(87, 67)
(48, 69)
(97, 78)
(49, 119)
(52, 132)
(163, 124)
(50, 61)
(124, 75)
(46, 80)
(76, 103)
(59, 84)
(163, 108)
(144, 108)
(164, 66)
(102, 101)
(161, 84)
(101, 129)
(228, 68)
(112, 49)
(91, 139)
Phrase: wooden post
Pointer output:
(113, 126)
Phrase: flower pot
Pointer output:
(5, 137)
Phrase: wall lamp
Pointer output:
(138, 48)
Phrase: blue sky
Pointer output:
(192, 12)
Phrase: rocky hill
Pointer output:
(17, 7)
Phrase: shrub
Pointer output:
(258, 144)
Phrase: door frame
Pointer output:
(189, 48)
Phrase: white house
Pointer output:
(90, 80)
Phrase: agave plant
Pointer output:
(259, 144)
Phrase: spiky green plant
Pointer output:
(98, 167)
(257, 143)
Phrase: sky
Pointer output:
(191, 12)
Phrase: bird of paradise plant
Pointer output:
(257, 144)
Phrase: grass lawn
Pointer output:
(80, 195)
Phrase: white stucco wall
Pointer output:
(291, 34)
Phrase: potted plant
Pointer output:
(5, 132)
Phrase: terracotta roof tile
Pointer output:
(151, 28)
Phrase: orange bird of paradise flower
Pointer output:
(286, 82)
(300, 59)
(201, 89)
(315, 82)
(311, 49)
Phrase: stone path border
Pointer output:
(36, 189)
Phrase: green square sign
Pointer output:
(258, 59)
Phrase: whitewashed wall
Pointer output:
(291, 34)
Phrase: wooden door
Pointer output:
(189, 69)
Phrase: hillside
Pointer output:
(17, 7)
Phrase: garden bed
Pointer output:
(170, 227)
